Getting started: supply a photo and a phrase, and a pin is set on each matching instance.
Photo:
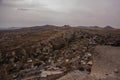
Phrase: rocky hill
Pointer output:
(50, 52)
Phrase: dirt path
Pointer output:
(106, 63)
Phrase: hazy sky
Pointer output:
(20, 13)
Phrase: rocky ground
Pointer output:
(51, 53)
(106, 66)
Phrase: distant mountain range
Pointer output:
(2, 28)
(53, 26)
(11, 28)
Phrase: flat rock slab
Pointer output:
(106, 63)
(74, 75)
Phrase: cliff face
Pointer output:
(51, 52)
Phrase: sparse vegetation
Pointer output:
(29, 51)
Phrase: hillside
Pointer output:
(50, 52)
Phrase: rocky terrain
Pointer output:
(50, 53)
(106, 66)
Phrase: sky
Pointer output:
(26, 13)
